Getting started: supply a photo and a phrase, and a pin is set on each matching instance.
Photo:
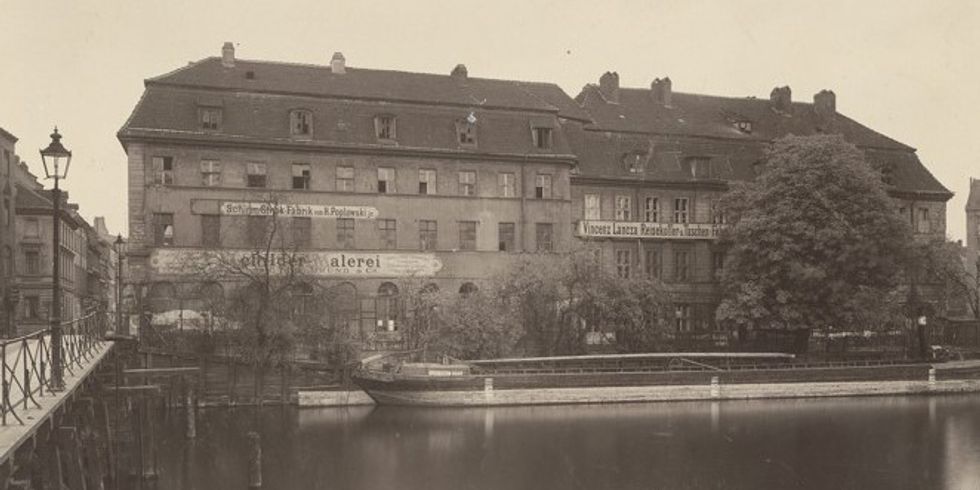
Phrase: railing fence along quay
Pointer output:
(25, 363)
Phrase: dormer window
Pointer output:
(384, 127)
(744, 126)
(699, 167)
(210, 118)
(466, 133)
(301, 123)
(542, 138)
(634, 162)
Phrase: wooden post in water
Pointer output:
(254, 460)
(189, 406)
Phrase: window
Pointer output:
(505, 181)
(653, 266)
(32, 228)
(32, 262)
(345, 233)
(592, 206)
(717, 213)
(428, 234)
(700, 167)
(302, 232)
(467, 183)
(623, 263)
(345, 179)
(624, 207)
(387, 307)
(682, 265)
(505, 237)
(386, 180)
(542, 186)
(384, 127)
(163, 170)
(387, 233)
(717, 263)
(651, 210)
(542, 138)
(210, 230)
(466, 133)
(255, 174)
(427, 181)
(164, 228)
(301, 123)
(256, 229)
(467, 235)
(210, 173)
(633, 162)
(301, 176)
(544, 234)
(922, 225)
(682, 318)
(32, 308)
(680, 210)
(210, 118)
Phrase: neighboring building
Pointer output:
(973, 221)
(444, 177)
(654, 163)
(447, 176)
(8, 226)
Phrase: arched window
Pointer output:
(468, 288)
(387, 307)
(344, 307)
(301, 299)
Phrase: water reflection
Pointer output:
(872, 443)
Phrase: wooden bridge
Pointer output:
(47, 436)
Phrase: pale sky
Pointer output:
(908, 69)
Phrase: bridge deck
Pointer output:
(14, 433)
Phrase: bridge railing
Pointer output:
(25, 363)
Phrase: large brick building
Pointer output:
(450, 177)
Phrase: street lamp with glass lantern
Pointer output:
(56, 159)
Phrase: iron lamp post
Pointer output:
(56, 160)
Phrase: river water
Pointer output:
(855, 443)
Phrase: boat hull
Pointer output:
(590, 388)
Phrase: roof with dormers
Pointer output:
(705, 126)
(257, 96)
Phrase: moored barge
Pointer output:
(653, 377)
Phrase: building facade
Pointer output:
(378, 176)
(973, 221)
(653, 164)
(8, 227)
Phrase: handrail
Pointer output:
(25, 362)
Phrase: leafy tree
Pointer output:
(476, 325)
(815, 241)
(559, 299)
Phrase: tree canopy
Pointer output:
(815, 241)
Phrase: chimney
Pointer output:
(337, 63)
(609, 86)
(781, 98)
(825, 103)
(661, 88)
(459, 73)
(228, 55)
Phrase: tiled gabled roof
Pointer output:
(367, 84)
(973, 201)
(427, 107)
(704, 125)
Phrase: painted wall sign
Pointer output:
(297, 210)
(318, 264)
(634, 229)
